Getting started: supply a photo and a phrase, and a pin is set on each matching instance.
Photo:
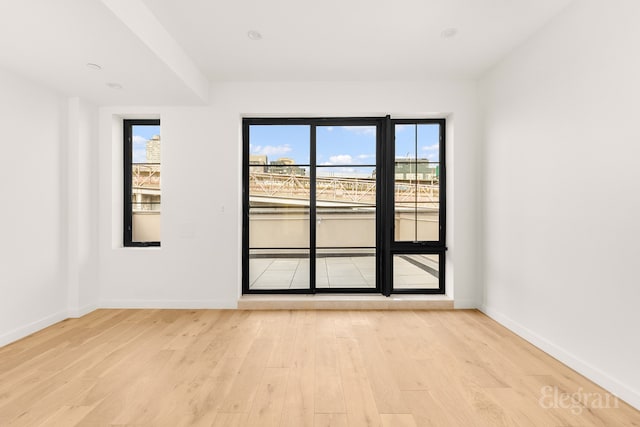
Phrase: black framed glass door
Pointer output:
(330, 206)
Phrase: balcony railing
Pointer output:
(145, 175)
(338, 189)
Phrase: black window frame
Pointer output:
(429, 247)
(386, 246)
(128, 178)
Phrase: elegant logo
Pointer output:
(578, 401)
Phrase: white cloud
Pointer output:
(361, 130)
(434, 147)
(341, 159)
(345, 172)
(137, 139)
(366, 156)
(329, 128)
(139, 155)
(400, 128)
(270, 150)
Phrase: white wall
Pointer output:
(199, 262)
(561, 191)
(195, 266)
(82, 207)
(33, 216)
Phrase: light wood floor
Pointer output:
(291, 368)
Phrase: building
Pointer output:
(284, 161)
(416, 169)
(258, 160)
(153, 149)
(146, 187)
(284, 166)
(534, 93)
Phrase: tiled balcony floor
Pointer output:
(410, 272)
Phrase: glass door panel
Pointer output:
(340, 268)
(279, 208)
(346, 214)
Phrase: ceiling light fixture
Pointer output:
(115, 86)
(93, 67)
(449, 33)
(254, 35)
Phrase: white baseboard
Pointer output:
(613, 385)
(83, 311)
(464, 304)
(31, 328)
(172, 304)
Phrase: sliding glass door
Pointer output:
(342, 205)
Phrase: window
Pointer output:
(417, 243)
(142, 190)
(343, 205)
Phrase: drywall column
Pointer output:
(82, 188)
(73, 279)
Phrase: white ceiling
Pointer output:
(323, 40)
(51, 42)
(303, 40)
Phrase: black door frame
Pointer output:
(386, 247)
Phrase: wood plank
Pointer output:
(299, 402)
(66, 416)
(398, 420)
(427, 412)
(383, 384)
(269, 400)
(360, 404)
(245, 384)
(329, 396)
(331, 420)
(226, 419)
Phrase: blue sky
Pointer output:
(341, 148)
(141, 134)
(427, 143)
